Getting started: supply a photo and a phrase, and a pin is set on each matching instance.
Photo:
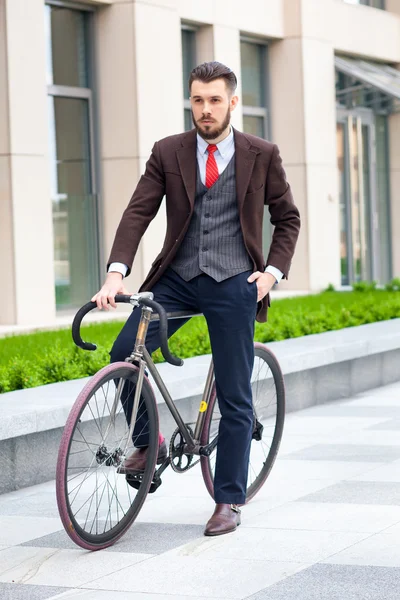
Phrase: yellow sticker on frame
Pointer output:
(203, 406)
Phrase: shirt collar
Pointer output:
(222, 146)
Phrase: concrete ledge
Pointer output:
(317, 368)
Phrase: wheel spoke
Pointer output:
(98, 499)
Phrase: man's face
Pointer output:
(211, 107)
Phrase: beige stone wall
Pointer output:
(25, 201)
(303, 125)
(393, 6)
(8, 314)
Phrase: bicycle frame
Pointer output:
(141, 356)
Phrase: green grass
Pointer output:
(50, 356)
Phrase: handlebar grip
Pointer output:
(163, 324)
(76, 324)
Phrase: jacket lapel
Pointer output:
(187, 160)
(245, 157)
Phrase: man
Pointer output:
(216, 181)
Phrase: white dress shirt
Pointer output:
(223, 156)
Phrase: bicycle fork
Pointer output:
(137, 356)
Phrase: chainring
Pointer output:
(180, 462)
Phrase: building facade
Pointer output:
(86, 89)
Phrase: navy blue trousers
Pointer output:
(229, 308)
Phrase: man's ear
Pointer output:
(234, 102)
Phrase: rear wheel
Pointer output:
(96, 503)
(269, 415)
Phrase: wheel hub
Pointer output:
(108, 458)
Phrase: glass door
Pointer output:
(357, 196)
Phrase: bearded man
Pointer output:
(216, 182)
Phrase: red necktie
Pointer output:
(211, 166)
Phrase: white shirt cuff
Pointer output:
(275, 272)
(119, 268)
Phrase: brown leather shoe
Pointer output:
(225, 519)
(137, 460)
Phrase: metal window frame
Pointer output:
(260, 111)
(263, 112)
(185, 26)
(193, 29)
(368, 4)
(84, 93)
(73, 5)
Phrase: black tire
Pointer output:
(92, 437)
(269, 383)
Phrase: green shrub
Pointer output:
(364, 286)
(50, 356)
(330, 288)
(394, 285)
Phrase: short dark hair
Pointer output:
(209, 71)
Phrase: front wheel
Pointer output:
(268, 392)
(95, 501)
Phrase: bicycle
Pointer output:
(96, 503)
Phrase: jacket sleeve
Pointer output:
(284, 216)
(141, 210)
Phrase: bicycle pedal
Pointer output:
(155, 484)
(135, 480)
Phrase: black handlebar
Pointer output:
(123, 298)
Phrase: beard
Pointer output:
(211, 132)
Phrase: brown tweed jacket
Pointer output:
(171, 172)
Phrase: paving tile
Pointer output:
(321, 426)
(379, 550)
(194, 511)
(109, 595)
(143, 538)
(62, 568)
(194, 575)
(35, 505)
(15, 591)
(321, 517)
(336, 582)
(369, 437)
(278, 545)
(358, 492)
(389, 473)
(17, 529)
(389, 425)
(295, 469)
(353, 409)
(347, 452)
(279, 490)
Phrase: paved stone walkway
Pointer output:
(326, 525)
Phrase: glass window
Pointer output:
(188, 64)
(73, 194)
(254, 125)
(383, 197)
(67, 31)
(253, 58)
(372, 3)
(253, 75)
(344, 233)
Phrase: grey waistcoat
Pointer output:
(214, 244)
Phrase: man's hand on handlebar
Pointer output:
(113, 285)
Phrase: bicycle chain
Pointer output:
(173, 450)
